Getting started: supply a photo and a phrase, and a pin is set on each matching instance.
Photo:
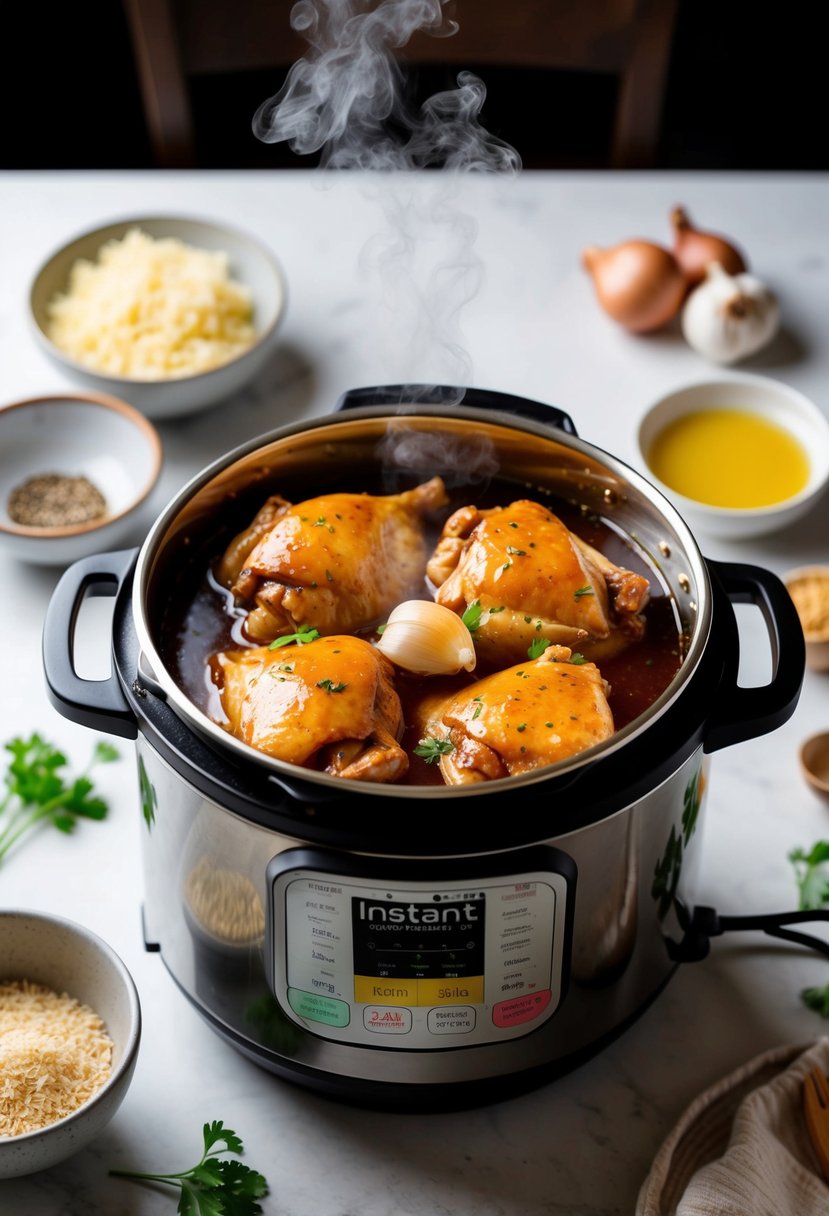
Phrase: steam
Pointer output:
(467, 459)
(345, 99)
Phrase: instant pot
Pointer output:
(410, 946)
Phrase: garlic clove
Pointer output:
(428, 639)
(729, 317)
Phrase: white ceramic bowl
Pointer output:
(90, 435)
(769, 399)
(250, 263)
(66, 957)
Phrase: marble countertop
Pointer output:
(470, 280)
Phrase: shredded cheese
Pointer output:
(152, 310)
(54, 1055)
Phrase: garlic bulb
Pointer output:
(729, 317)
(426, 638)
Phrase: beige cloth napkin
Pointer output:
(741, 1148)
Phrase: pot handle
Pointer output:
(745, 713)
(98, 704)
(442, 394)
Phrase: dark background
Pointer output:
(746, 90)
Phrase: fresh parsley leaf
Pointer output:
(580, 591)
(812, 875)
(472, 617)
(213, 1187)
(516, 552)
(577, 659)
(330, 686)
(817, 999)
(432, 749)
(37, 791)
(537, 647)
(302, 637)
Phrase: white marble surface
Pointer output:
(532, 326)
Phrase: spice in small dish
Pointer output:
(51, 500)
(55, 1054)
(809, 588)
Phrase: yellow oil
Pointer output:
(729, 458)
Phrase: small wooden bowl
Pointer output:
(814, 760)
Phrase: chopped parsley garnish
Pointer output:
(330, 686)
(577, 659)
(580, 591)
(492, 611)
(522, 726)
(329, 576)
(516, 552)
(501, 570)
(478, 708)
(472, 617)
(302, 637)
(430, 749)
(322, 522)
(816, 999)
(512, 524)
(549, 725)
(528, 620)
(537, 647)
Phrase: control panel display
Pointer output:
(417, 966)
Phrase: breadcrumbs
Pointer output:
(54, 1055)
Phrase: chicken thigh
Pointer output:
(534, 579)
(520, 719)
(329, 705)
(336, 563)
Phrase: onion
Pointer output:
(696, 250)
(639, 284)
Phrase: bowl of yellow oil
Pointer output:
(739, 456)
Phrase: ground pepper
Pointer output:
(50, 500)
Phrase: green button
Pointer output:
(316, 1008)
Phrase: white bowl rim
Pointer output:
(708, 510)
(30, 531)
(133, 1037)
(220, 226)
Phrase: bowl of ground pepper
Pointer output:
(76, 473)
(70, 1026)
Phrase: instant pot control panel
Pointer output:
(375, 953)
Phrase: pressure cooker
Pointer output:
(411, 945)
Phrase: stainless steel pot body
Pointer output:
(221, 922)
(302, 914)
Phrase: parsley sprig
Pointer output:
(302, 637)
(37, 791)
(537, 647)
(812, 877)
(213, 1187)
(431, 749)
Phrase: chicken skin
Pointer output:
(520, 719)
(336, 563)
(328, 705)
(533, 578)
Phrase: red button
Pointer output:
(520, 1009)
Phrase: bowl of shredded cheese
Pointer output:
(169, 313)
(70, 1025)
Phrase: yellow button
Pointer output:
(451, 991)
(374, 990)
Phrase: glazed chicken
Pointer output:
(336, 563)
(533, 578)
(520, 719)
(329, 705)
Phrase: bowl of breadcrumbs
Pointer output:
(70, 1025)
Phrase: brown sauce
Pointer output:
(201, 620)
